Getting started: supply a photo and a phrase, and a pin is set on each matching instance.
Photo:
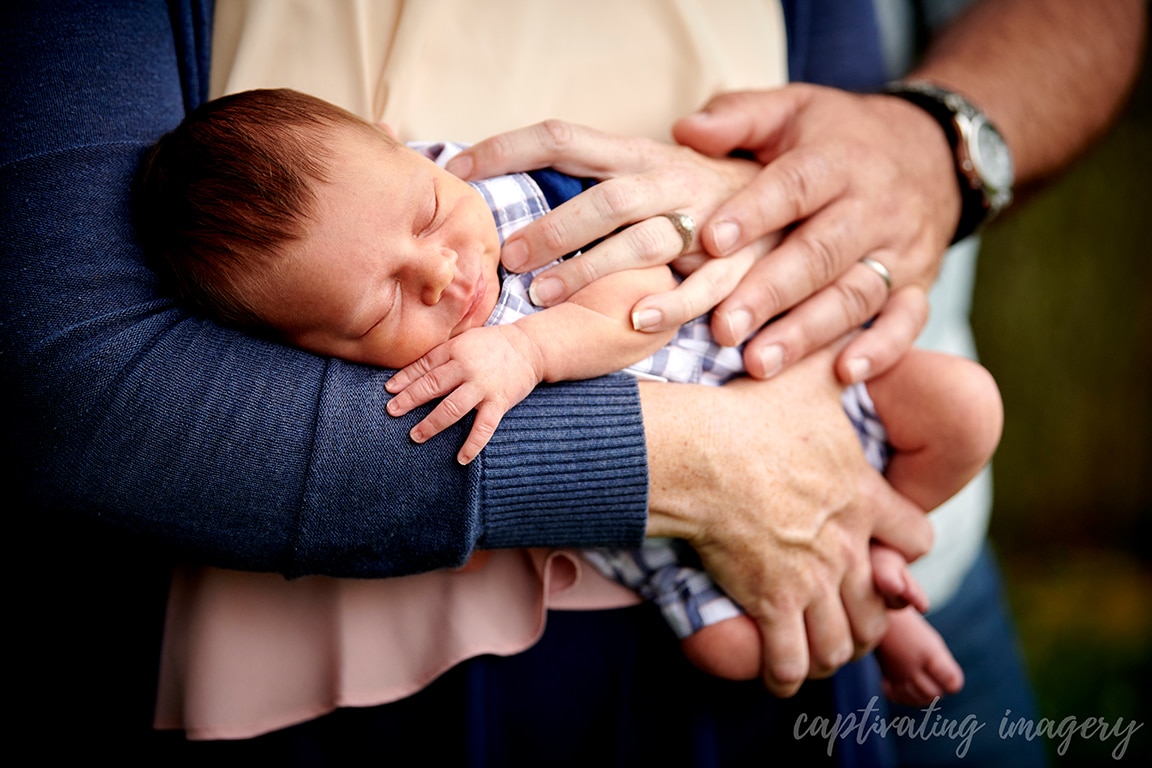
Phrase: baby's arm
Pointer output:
(491, 369)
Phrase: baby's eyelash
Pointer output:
(435, 211)
(396, 293)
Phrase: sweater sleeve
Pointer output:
(240, 452)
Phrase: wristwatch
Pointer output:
(984, 166)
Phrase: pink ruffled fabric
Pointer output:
(248, 653)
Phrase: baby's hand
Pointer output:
(488, 370)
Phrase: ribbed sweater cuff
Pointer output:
(568, 467)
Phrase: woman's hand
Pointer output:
(640, 181)
(847, 177)
(768, 482)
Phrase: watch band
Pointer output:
(961, 121)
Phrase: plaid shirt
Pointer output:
(662, 570)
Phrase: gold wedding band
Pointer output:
(685, 227)
(879, 269)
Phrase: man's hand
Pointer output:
(767, 481)
(487, 369)
(846, 177)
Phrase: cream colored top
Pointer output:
(462, 70)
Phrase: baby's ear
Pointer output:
(388, 129)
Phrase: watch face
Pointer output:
(991, 157)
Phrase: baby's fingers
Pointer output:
(488, 417)
(451, 409)
(404, 377)
(420, 384)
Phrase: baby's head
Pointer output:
(279, 212)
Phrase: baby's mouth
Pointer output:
(474, 298)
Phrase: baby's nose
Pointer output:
(439, 272)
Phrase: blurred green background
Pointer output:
(1063, 317)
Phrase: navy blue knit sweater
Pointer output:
(239, 452)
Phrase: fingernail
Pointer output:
(724, 235)
(514, 255)
(859, 368)
(739, 323)
(461, 165)
(771, 359)
(647, 319)
(545, 291)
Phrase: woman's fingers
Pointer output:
(567, 147)
(648, 243)
(829, 637)
(786, 659)
(641, 184)
(865, 607)
(709, 283)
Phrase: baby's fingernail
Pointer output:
(647, 319)
(416, 435)
(544, 291)
(514, 255)
(724, 235)
(461, 165)
(859, 368)
(739, 322)
(771, 359)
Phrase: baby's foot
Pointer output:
(917, 665)
(894, 581)
(730, 649)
